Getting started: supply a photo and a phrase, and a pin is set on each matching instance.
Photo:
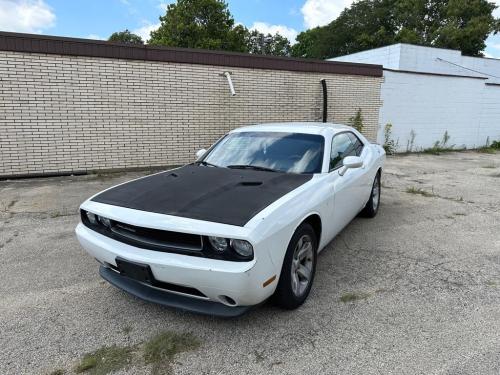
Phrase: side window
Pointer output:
(341, 147)
(358, 145)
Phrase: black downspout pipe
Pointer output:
(325, 100)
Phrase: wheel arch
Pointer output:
(283, 294)
(314, 220)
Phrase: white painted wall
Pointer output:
(445, 61)
(388, 57)
(426, 59)
(489, 121)
(431, 104)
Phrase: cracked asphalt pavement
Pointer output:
(414, 291)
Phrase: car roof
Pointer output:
(295, 127)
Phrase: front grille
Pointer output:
(147, 238)
(157, 238)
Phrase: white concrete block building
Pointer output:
(430, 91)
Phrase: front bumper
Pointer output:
(216, 279)
(165, 298)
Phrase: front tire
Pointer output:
(373, 203)
(299, 267)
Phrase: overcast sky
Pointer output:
(97, 19)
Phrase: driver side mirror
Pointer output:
(350, 162)
(200, 153)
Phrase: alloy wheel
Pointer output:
(302, 265)
(376, 194)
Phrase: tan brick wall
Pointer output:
(68, 113)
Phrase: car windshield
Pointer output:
(273, 151)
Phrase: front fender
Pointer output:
(275, 226)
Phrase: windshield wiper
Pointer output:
(206, 164)
(254, 167)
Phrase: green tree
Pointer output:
(126, 37)
(199, 24)
(313, 43)
(261, 44)
(456, 24)
(467, 25)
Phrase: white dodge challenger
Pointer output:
(241, 224)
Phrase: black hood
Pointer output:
(222, 195)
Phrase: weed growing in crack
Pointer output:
(419, 191)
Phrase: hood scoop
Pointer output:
(251, 183)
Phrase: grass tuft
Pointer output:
(105, 360)
(440, 150)
(59, 371)
(165, 346)
(351, 297)
(158, 352)
(127, 330)
(259, 356)
(490, 148)
(88, 362)
(161, 349)
(418, 191)
(487, 150)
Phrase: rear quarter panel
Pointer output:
(373, 162)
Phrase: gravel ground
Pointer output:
(424, 275)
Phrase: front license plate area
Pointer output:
(137, 271)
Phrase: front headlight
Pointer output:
(242, 247)
(105, 221)
(92, 218)
(219, 244)
(95, 220)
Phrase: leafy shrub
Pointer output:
(441, 146)
(490, 148)
(411, 142)
(357, 121)
(390, 146)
